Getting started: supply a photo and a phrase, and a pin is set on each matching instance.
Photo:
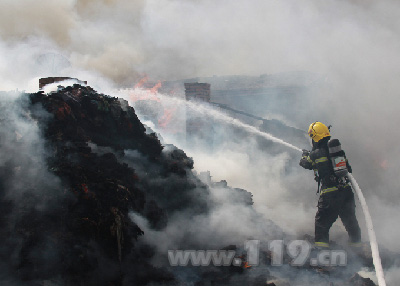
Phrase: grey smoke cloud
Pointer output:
(176, 39)
(21, 20)
(353, 43)
(243, 164)
(23, 153)
(28, 188)
(236, 156)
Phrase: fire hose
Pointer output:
(371, 233)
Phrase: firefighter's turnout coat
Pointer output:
(336, 196)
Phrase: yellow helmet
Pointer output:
(318, 130)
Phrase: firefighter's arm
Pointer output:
(306, 161)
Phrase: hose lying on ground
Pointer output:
(371, 233)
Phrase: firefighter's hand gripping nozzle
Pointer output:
(303, 161)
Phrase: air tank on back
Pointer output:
(338, 158)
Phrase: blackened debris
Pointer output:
(357, 280)
(81, 115)
(82, 234)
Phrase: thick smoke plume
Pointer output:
(353, 45)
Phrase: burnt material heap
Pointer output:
(73, 226)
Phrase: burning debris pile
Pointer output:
(67, 187)
(78, 230)
(74, 166)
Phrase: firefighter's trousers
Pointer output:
(332, 204)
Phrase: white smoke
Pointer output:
(353, 43)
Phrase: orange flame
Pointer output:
(166, 118)
(155, 88)
(145, 94)
(246, 265)
(141, 82)
(142, 93)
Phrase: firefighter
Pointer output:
(336, 196)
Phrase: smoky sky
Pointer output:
(175, 39)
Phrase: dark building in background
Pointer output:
(198, 91)
(199, 129)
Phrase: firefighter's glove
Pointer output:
(303, 162)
